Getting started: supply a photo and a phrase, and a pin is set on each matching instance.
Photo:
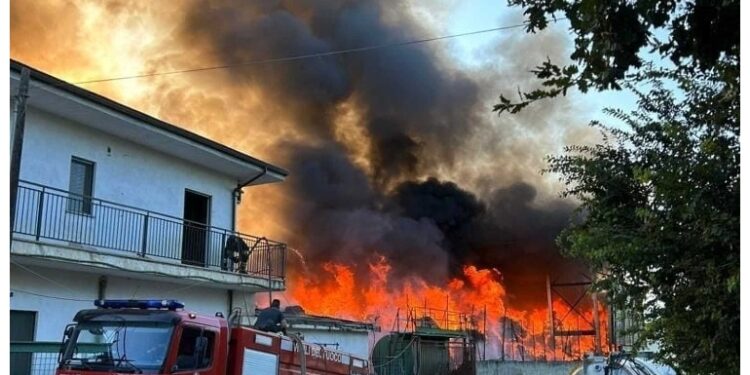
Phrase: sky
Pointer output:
(488, 13)
(439, 17)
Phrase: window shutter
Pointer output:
(81, 184)
(77, 178)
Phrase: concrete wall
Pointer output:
(125, 172)
(80, 289)
(525, 368)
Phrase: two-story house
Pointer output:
(114, 203)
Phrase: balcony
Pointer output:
(80, 231)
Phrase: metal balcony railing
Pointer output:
(46, 213)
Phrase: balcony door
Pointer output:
(22, 328)
(195, 231)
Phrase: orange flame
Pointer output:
(476, 301)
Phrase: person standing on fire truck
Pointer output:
(271, 319)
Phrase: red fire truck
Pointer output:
(159, 337)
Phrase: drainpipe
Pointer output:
(236, 197)
(237, 194)
(101, 292)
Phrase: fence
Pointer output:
(52, 214)
(623, 328)
(425, 319)
(42, 357)
(34, 358)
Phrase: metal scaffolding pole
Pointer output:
(551, 317)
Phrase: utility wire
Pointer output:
(304, 56)
(43, 277)
(16, 290)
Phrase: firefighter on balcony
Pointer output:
(271, 319)
(236, 255)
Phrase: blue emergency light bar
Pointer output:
(139, 304)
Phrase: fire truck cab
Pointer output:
(158, 337)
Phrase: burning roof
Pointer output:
(297, 319)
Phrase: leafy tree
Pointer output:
(610, 36)
(661, 198)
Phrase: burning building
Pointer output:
(404, 187)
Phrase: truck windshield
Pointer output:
(131, 347)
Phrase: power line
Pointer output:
(304, 56)
(53, 282)
(16, 290)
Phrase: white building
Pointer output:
(356, 338)
(114, 203)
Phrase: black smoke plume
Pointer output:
(418, 117)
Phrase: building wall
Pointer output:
(201, 300)
(77, 291)
(125, 172)
(355, 343)
(52, 314)
(496, 367)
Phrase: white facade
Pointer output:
(75, 291)
(124, 172)
(356, 338)
(131, 245)
(356, 343)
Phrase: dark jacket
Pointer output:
(269, 320)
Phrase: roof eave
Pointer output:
(146, 119)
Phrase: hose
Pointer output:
(301, 353)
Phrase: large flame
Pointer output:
(474, 302)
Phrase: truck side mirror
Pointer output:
(69, 331)
(67, 334)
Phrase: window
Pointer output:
(81, 186)
(196, 349)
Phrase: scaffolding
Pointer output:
(427, 340)
(561, 337)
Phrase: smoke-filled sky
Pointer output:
(393, 152)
